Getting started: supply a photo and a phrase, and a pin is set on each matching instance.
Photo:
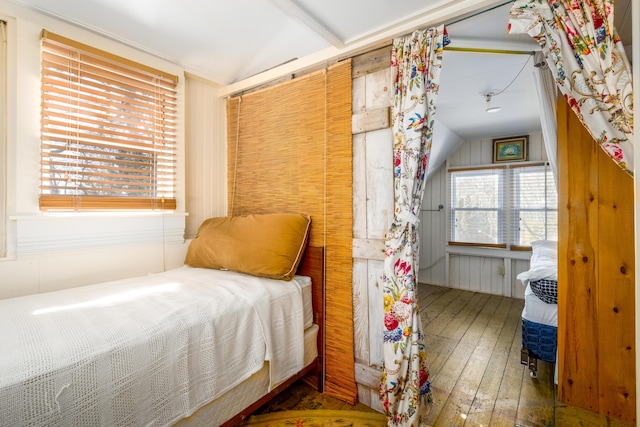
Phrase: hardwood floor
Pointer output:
(473, 344)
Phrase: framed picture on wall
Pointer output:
(512, 149)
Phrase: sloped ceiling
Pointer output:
(229, 41)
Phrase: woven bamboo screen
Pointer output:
(340, 377)
(289, 150)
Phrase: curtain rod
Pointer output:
(482, 50)
(512, 52)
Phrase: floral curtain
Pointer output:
(589, 65)
(405, 390)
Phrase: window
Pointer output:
(535, 205)
(108, 130)
(510, 206)
(477, 207)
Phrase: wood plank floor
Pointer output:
(473, 344)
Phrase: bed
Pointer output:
(189, 346)
(540, 313)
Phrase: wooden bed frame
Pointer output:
(312, 265)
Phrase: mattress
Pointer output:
(537, 311)
(232, 402)
(307, 299)
(144, 351)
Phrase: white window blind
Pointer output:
(535, 204)
(108, 130)
(509, 206)
(477, 206)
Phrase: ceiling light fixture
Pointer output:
(489, 95)
(487, 103)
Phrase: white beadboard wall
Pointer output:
(480, 151)
(433, 230)
(477, 269)
(206, 154)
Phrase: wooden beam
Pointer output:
(368, 376)
(310, 20)
(368, 249)
(373, 61)
(371, 120)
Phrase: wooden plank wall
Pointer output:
(372, 212)
(596, 276)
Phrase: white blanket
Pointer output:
(143, 351)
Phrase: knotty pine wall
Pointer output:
(596, 276)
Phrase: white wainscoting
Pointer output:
(433, 230)
(491, 271)
(37, 273)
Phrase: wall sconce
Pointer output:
(487, 103)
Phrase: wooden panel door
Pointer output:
(372, 213)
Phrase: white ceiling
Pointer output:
(228, 41)
(467, 76)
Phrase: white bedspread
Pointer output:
(143, 351)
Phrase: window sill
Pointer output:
(486, 252)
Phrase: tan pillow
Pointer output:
(269, 245)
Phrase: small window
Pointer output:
(108, 130)
(510, 206)
(535, 205)
(477, 207)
